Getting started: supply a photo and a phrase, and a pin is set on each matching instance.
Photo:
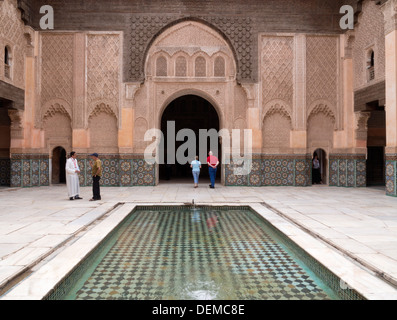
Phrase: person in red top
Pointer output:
(213, 163)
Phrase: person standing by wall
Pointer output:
(196, 166)
(213, 163)
(72, 177)
(316, 170)
(96, 166)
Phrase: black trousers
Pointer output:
(316, 175)
(95, 188)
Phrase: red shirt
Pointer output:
(212, 160)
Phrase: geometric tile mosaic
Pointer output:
(391, 177)
(193, 254)
(33, 170)
(5, 168)
(272, 171)
(347, 172)
(29, 171)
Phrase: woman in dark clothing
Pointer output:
(316, 170)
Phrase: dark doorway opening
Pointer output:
(5, 143)
(194, 113)
(376, 166)
(322, 172)
(376, 144)
(58, 165)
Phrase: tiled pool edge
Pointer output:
(350, 273)
(328, 277)
(387, 278)
(95, 214)
(42, 283)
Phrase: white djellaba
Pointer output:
(72, 178)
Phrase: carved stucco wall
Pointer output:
(239, 21)
(103, 71)
(58, 128)
(320, 128)
(240, 104)
(369, 34)
(277, 58)
(322, 70)
(321, 117)
(324, 114)
(287, 61)
(191, 40)
(56, 78)
(145, 29)
(12, 31)
(276, 131)
(94, 64)
(197, 43)
(103, 130)
(277, 85)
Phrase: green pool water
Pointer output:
(201, 253)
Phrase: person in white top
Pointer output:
(72, 177)
(196, 166)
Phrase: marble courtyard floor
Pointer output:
(37, 224)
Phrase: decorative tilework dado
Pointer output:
(347, 171)
(391, 175)
(5, 168)
(119, 170)
(271, 171)
(27, 170)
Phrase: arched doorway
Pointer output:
(323, 161)
(188, 112)
(58, 166)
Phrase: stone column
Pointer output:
(348, 91)
(299, 133)
(17, 129)
(389, 10)
(17, 146)
(80, 133)
(32, 137)
(253, 117)
(126, 131)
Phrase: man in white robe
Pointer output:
(72, 177)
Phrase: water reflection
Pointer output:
(200, 290)
(212, 222)
(196, 215)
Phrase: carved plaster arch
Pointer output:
(102, 106)
(55, 106)
(278, 106)
(325, 107)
